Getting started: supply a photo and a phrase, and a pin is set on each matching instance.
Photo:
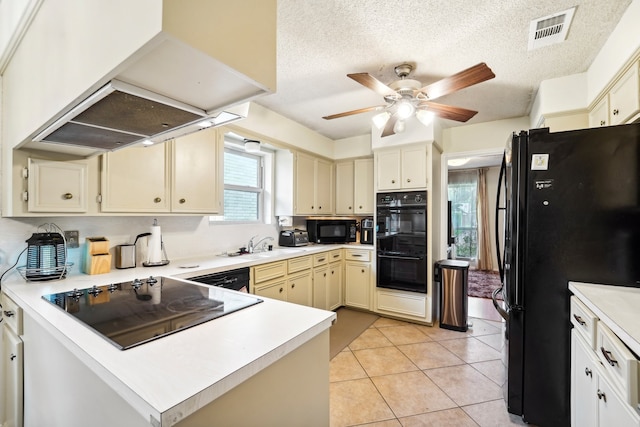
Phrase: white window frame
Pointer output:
(260, 189)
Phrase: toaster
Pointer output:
(293, 238)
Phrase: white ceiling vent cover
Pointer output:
(550, 29)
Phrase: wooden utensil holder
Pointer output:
(97, 258)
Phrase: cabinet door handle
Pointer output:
(349, 207)
(356, 255)
(616, 111)
(157, 200)
(293, 285)
(182, 201)
(607, 355)
(602, 396)
(602, 122)
(67, 196)
(321, 260)
(281, 290)
(588, 372)
(359, 207)
(363, 270)
(9, 313)
(579, 320)
(13, 356)
(408, 179)
(393, 181)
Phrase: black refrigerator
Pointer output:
(571, 212)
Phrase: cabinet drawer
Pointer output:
(12, 314)
(619, 362)
(269, 271)
(358, 255)
(584, 321)
(299, 264)
(335, 255)
(320, 259)
(276, 289)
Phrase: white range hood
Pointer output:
(119, 115)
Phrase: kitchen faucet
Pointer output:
(262, 241)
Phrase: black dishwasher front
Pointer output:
(237, 279)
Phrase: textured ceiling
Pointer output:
(321, 41)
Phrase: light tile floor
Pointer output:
(401, 374)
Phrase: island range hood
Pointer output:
(120, 114)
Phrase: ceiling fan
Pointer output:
(406, 97)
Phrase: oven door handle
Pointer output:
(400, 257)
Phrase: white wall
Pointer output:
(482, 136)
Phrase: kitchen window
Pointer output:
(243, 186)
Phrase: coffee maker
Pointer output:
(366, 231)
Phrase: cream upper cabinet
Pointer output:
(324, 187)
(136, 179)
(363, 186)
(304, 184)
(402, 168)
(624, 97)
(414, 167)
(354, 187)
(344, 188)
(198, 180)
(599, 116)
(57, 186)
(388, 167)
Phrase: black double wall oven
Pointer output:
(401, 239)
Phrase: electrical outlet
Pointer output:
(72, 238)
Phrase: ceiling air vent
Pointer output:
(550, 29)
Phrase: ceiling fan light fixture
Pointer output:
(251, 146)
(405, 110)
(379, 120)
(425, 117)
(399, 126)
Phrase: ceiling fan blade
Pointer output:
(367, 80)
(447, 111)
(469, 77)
(352, 112)
(391, 123)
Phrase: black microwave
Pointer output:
(331, 230)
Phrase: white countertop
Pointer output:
(616, 306)
(199, 364)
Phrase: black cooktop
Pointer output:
(132, 313)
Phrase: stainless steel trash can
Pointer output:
(451, 276)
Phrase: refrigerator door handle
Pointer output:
(494, 297)
(503, 168)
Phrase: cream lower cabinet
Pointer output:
(334, 284)
(289, 280)
(12, 358)
(299, 288)
(594, 400)
(357, 277)
(321, 280)
(604, 373)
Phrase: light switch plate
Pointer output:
(72, 238)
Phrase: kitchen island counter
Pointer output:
(165, 381)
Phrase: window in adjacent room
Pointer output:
(463, 194)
